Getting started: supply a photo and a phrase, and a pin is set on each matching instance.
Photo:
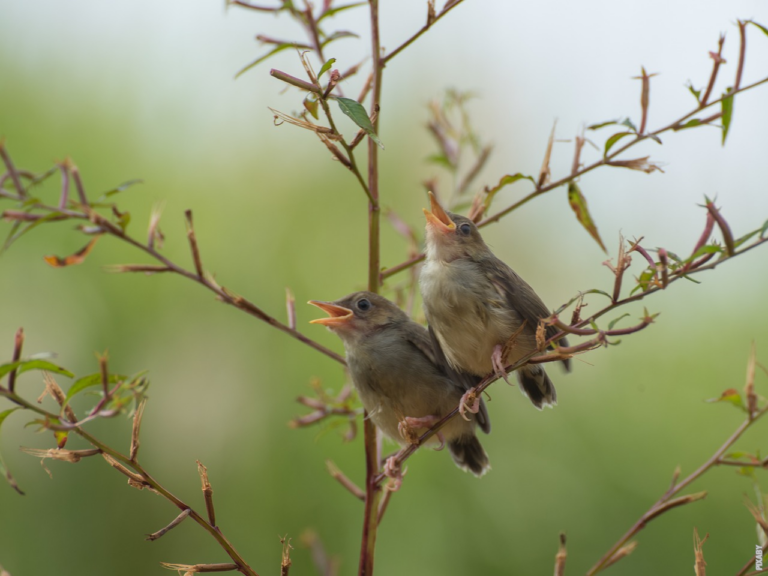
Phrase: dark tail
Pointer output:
(469, 455)
(535, 384)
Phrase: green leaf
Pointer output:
(259, 60)
(504, 181)
(696, 93)
(91, 380)
(13, 235)
(764, 229)
(325, 68)
(726, 106)
(628, 123)
(3, 468)
(359, 116)
(25, 365)
(730, 396)
(692, 123)
(613, 139)
(120, 188)
(440, 160)
(744, 238)
(332, 11)
(654, 138)
(310, 103)
(579, 205)
(602, 125)
(613, 322)
(338, 36)
(763, 28)
(645, 279)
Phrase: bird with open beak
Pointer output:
(480, 312)
(404, 389)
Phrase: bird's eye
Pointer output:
(364, 304)
(465, 229)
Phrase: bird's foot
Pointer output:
(408, 426)
(470, 401)
(497, 360)
(393, 470)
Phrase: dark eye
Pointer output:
(465, 229)
(364, 304)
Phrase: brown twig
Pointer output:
(140, 478)
(717, 59)
(342, 479)
(207, 493)
(665, 503)
(175, 522)
(193, 243)
(565, 180)
(18, 344)
(372, 489)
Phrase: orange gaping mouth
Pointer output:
(337, 315)
(438, 217)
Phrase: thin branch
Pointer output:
(563, 181)
(175, 522)
(430, 22)
(139, 476)
(664, 503)
(18, 344)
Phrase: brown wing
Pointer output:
(520, 296)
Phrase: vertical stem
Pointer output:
(372, 491)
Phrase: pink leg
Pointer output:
(498, 364)
(392, 470)
(408, 426)
(470, 401)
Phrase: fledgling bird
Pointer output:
(476, 306)
(404, 389)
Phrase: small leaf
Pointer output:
(331, 11)
(310, 103)
(579, 205)
(359, 116)
(726, 106)
(730, 396)
(338, 36)
(25, 365)
(696, 93)
(654, 138)
(764, 229)
(325, 67)
(628, 123)
(120, 188)
(504, 181)
(613, 322)
(440, 160)
(602, 125)
(76, 258)
(763, 28)
(91, 380)
(613, 139)
(259, 60)
(3, 468)
(692, 123)
(644, 281)
(14, 235)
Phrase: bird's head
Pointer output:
(451, 236)
(358, 315)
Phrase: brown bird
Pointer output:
(396, 374)
(476, 306)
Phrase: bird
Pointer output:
(481, 313)
(401, 383)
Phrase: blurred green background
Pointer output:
(146, 90)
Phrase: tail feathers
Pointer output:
(469, 455)
(535, 384)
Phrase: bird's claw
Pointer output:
(497, 360)
(470, 401)
(393, 470)
(407, 428)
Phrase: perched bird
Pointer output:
(404, 389)
(480, 312)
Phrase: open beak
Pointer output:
(337, 315)
(437, 217)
